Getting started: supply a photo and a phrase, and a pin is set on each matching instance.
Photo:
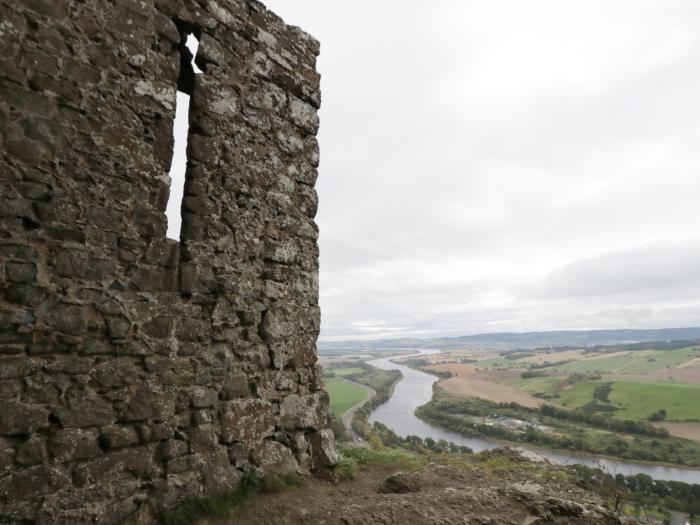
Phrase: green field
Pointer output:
(635, 400)
(638, 399)
(640, 362)
(346, 371)
(343, 395)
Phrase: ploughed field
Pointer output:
(661, 386)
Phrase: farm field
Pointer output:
(495, 392)
(643, 381)
(635, 400)
(640, 362)
(343, 395)
(346, 371)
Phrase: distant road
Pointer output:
(347, 416)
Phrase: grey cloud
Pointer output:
(657, 270)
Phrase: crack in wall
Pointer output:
(187, 47)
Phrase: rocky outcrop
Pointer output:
(495, 488)
(134, 368)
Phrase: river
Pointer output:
(416, 389)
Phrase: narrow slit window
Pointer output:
(188, 69)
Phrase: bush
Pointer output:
(659, 415)
(346, 468)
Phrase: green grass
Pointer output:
(535, 385)
(346, 371)
(572, 396)
(352, 458)
(634, 400)
(639, 362)
(637, 400)
(193, 510)
(343, 395)
(606, 365)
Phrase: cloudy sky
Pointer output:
(507, 165)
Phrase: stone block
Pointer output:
(323, 449)
(118, 436)
(235, 385)
(305, 411)
(149, 402)
(67, 318)
(32, 452)
(33, 482)
(274, 458)
(20, 272)
(18, 418)
(85, 408)
(204, 397)
(247, 420)
(15, 367)
(74, 444)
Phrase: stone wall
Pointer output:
(134, 368)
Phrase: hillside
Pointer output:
(583, 338)
(390, 487)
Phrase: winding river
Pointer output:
(416, 389)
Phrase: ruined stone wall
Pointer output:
(135, 368)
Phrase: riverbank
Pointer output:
(558, 429)
(416, 388)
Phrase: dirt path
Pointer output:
(440, 493)
(347, 416)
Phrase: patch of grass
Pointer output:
(497, 362)
(637, 400)
(346, 468)
(638, 362)
(560, 475)
(364, 456)
(346, 370)
(343, 395)
(192, 510)
(632, 400)
(500, 460)
(578, 395)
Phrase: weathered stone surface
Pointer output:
(32, 452)
(21, 418)
(235, 385)
(309, 411)
(74, 444)
(84, 409)
(400, 483)
(20, 272)
(247, 420)
(323, 449)
(118, 436)
(135, 367)
(33, 482)
(273, 457)
(148, 403)
(14, 367)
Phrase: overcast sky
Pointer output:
(506, 165)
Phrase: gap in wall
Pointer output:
(178, 165)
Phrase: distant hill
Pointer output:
(580, 338)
